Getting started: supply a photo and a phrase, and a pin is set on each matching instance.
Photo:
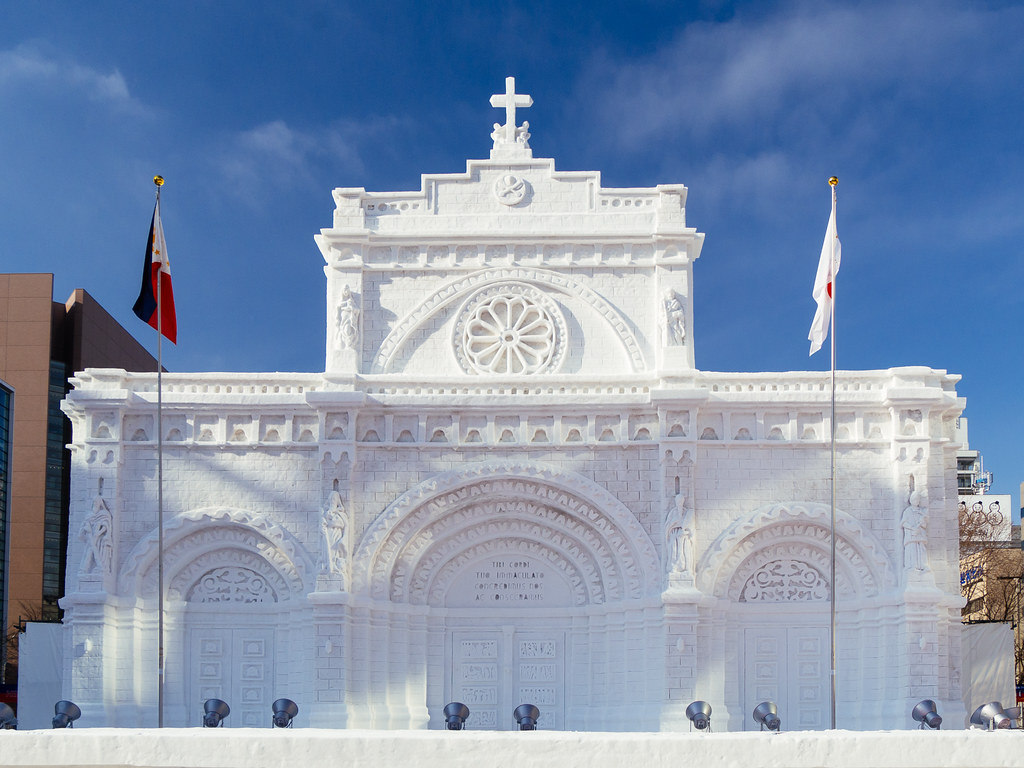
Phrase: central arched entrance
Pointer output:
(538, 587)
(508, 615)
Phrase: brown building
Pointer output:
(42, 344)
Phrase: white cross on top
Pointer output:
(510, 100)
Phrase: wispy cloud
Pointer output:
(277, 155)
(27, 65)
(727, 76)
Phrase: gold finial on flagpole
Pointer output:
(833, 180)
(159, 181)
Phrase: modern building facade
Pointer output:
(512, 485)
(971, 476)
(42, 344)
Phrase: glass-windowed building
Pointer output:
(42, 343)
(5, 470)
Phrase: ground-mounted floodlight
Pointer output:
(766, 714)
(8, 722)
(455, 715)
(990, 716)
(527, 716)
(215, 711)
(699, 714)
(65, 713)
(284, 710)
(926, 714)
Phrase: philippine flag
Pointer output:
(158, 268)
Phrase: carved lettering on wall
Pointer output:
(426, 529)
(509, 581)
(459, 529)
(463, 580)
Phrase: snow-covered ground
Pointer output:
(313, 748)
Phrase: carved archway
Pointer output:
(545, 279)
(414, 549)
(785, 549)
(220, 554)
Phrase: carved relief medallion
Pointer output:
(510, 189)
(510, 328)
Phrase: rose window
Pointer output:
(509, 329)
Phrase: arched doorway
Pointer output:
(773, 570)
(538, 587)
(232, 578)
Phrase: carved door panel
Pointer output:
(476, 676)
(494, 671)
(540, 676)
(789, 666)
(236, 666)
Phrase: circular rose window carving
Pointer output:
(510, 329)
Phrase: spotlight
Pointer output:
(455, 715)
(766, 714)
(926, 714)
(216, 710)
(990, 716)
(8, 721)
(65, 713)
(699, 713)
(284, 710)
(526, 715)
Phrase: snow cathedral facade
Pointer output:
(511, 485)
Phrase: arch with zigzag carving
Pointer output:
(414, 549)
(798, 532)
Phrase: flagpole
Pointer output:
(159, 181)
(833, 181)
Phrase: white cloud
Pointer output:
(716, 77)
(25, 65)
(277, 155)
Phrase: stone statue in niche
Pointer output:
(675, 320)
(348, 320)
(96, 532)
(679, 537)
(333, 524)
(914, 523)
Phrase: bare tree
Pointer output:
(991, 575)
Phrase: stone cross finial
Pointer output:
(510, 100)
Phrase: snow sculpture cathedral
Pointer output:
(511, 485)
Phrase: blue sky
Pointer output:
(254, 111)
